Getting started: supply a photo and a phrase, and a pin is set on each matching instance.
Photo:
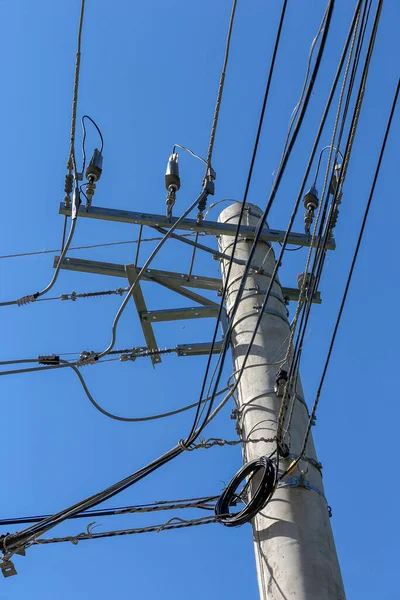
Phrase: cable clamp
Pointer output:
(302, 482)
(27, 299)
(48, 359)
(309, 460)
(86, 358)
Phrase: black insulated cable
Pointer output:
(262, 468)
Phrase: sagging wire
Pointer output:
(84, 138)
(51, 362)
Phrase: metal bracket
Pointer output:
(213, 228)
(176, 314)
(198, 349)
(141, 307)
(7, 568)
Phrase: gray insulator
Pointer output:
(311, 200)
(172, 179)
(95, 167)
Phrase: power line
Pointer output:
(174, 523)
(72, 164)
(203, 503)
(262, 220)
(350, 274)
(321, 248)
(243, 204)
(220, 87)
(88, 247)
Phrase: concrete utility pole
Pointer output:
(294, 546)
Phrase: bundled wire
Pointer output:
(325, 227)
(263, 469)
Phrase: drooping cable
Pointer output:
(84, 138)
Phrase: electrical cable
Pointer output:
(321, 251)
(90, 535)
(39, 252)
(297, 107)
(318, 264)
(189, 152)
(72, 160)
(202, 503)
(243, 204)
(20, 539)
(263, 219)
(320, 220)
(84, 138)
(349, 278)
(74, 367)
(143, 271)
(220, 87)
(262, 468)
(13, 542)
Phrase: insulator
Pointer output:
(311, 200)
(172, 179)
(69, 180)
(95, 167)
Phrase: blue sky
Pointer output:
(149, 77)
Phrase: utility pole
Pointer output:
(293, 540)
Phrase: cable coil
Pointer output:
(262, 467)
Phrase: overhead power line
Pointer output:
(350, 274)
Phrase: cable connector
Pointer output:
(68, 186)
(76, 202)
(208, 188)
(93, 174)
(27, 299)
(172, 182)
(86, 358)
(48, 359)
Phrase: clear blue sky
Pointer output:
(149, 77)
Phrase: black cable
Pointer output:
(263, 469)
(349, 277)
(263, 218)
(247, 187)
(84, 138)
(201, 503)
(320, 255)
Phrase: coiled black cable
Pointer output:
(263, 468)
